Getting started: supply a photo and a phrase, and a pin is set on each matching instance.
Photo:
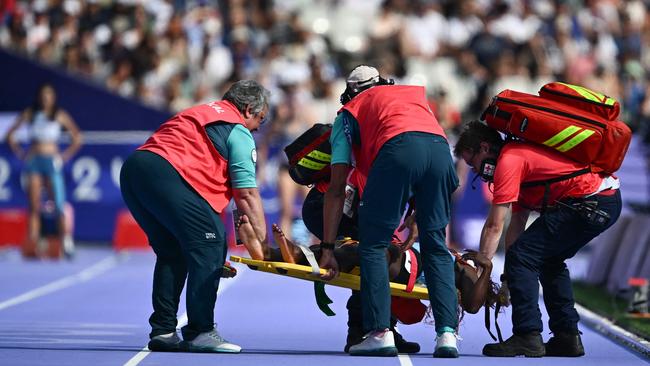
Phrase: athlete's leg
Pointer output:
(34, 188)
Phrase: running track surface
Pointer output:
(94, 311)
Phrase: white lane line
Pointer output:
(224, 284)
(138, 358)
(405, 360)
(83, 276)
(182, 321)
(135, 360)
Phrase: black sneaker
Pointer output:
(355, 336)
(565, 344)
(165, 343)
(404, 346)
(529, 345)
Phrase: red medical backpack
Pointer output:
(575, 121)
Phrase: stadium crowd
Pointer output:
(172, 54)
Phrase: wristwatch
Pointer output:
(326, 245)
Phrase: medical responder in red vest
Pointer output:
(312, 216)
(399, 146)
(576, 206)
(176, 185)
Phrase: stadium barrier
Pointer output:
(630, 254)
(605, 247)
(128, 234)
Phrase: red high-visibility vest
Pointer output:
(384, 112)
(185, 144)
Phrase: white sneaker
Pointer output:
(446, 346)
(169, 342)
(211, 342)
(376, 343)
(68, 247)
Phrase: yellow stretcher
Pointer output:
(347, 280)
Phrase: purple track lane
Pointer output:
(94, 311)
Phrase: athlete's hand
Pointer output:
(479, 259)
(409, 222)
(328, 262)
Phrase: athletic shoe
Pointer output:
(68, 247)
(446, 346)
(210, 342)
(402, 345)
(169, 342)
(565, 344)
(529, 345)
(376, 343)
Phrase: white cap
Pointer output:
(363, 75)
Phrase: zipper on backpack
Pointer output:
(564, 114)
(577, 98)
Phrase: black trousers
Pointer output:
(538, 256)
(312, 216)
(187, 236)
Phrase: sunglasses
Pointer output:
(264, 119)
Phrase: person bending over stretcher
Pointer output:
(473, 283)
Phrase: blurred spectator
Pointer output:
(170, 54)
(137, 47)
(44, 169)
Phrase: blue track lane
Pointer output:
(100, 318)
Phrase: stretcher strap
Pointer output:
(497, 308)
(315, 269)
(496, 323)
(413, 271)
(322, 300)
(487, 321)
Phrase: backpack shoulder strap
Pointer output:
(547, 184)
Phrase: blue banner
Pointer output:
(92, 187)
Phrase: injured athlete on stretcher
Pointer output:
(472, 269)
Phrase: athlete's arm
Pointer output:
(68, 123)
(474, 293)
(13, 144)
